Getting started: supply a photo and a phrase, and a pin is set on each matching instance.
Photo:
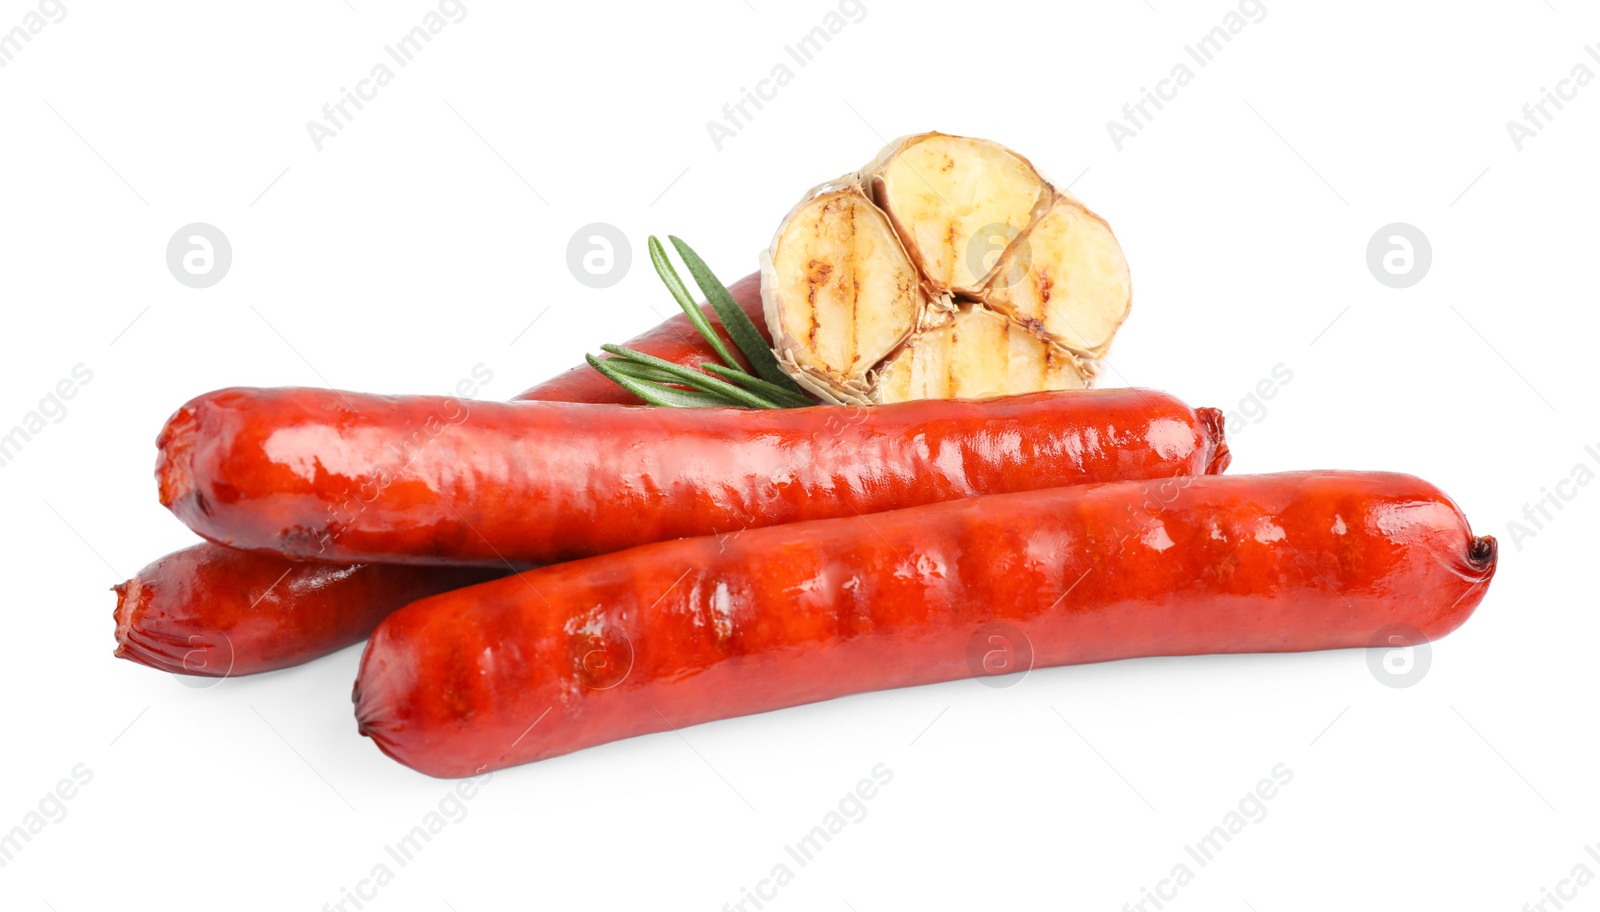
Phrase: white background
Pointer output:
(430, 233)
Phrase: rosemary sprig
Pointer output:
(744, 333)
(704, 383)
(785, 398)
(661, 382)
(658, 259)
(654, 393)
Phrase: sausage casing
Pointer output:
(682, 632)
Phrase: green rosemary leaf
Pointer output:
(690, 377)
(658, 259)
(641, 371)
(735, 320)
(783, 397)
(654, 393)
(663, 383)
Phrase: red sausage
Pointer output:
(212, 610)
(676, 633)
(322, 475)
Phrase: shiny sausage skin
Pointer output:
(682, 632)
(214, 611)
(319, 474)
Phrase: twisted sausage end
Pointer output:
(1214, 424)
(174, 447)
